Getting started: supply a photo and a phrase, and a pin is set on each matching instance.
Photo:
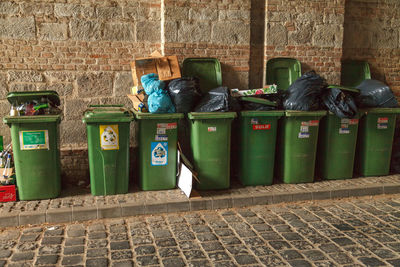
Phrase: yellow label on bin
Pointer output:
(109, 137)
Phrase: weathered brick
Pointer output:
(53, 31)
(95, 84)
(119, 32)
(88, 30)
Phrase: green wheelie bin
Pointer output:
(354, 72)
(297, 146)
(158, 137)
(210, 139)
(337, 141)
(36, 148)
(108, 147)
(256, 148)
(375, 140)
(282, 72)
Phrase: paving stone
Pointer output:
(97, 235)
(72, 260)
(385, 253)
(206, 237)
(168, 252)
(147, 260)
(55, 232)
(245, 259)
(74, 250)
(395, 262)
(212, 246)
(28, 246)
(237, 249)
(290, 254)
(299, 263)
(199, 263)
(52, 240)
(371, 261)
(341, 258)
(224, 264)
(193, 254)
(314, 255)
(119, 245)
(74, 241)
(29, 238)
(125, 263)
(145, 250)
(97, 262)
(22, 256)
(5, 253)
(173, 262)
(46, 260)
(278, 245)
(218, 256)
(49, 249)
(272, 260)
(121, 254)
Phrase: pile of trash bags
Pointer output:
(309, 92)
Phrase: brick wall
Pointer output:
(211, 28)
(372, 30)
(308, 30)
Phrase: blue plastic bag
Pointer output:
(158, 101)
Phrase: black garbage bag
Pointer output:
(256, 106)
(184, 93)
(341, 104)
(305, 93)
(217, 99)
(374, 93)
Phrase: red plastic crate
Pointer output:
(7, 193)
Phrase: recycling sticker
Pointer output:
(109, 137)
(159, 153)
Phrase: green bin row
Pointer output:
(38, 170)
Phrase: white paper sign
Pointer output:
(185, 180)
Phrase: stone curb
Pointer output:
(79, 214)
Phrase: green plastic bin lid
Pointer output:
(345, 88)
(261, 113)
(359, 114)
(211, 115)
(28, 96)
(381, 110)
(107, 113)
(207, 70)
(354, 72)
(283, 72)
(32, 119)
(157, 116)
(258, 101)
(298, 113)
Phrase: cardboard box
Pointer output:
(137, 100)
(167, 68)
(8, 193)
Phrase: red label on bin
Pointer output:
(261, 126)
(383, 120)
(353, 121)
(314, 123)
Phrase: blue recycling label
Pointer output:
(159, 153)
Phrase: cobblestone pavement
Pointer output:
(76, 204)
(347, 232)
